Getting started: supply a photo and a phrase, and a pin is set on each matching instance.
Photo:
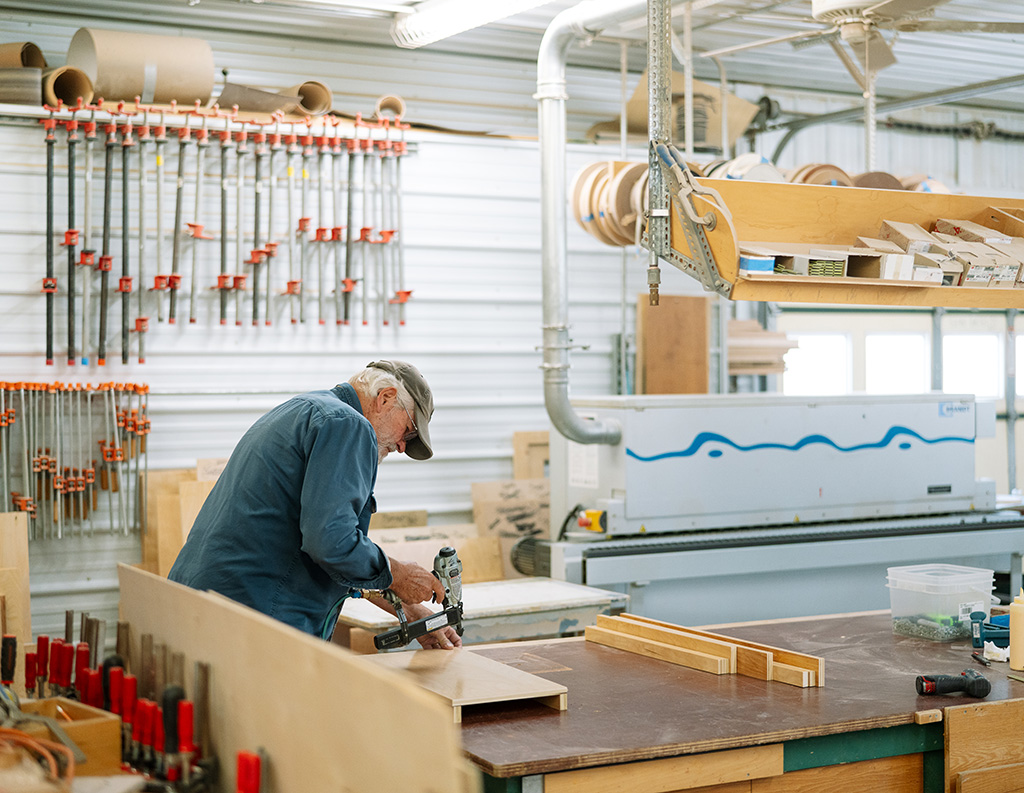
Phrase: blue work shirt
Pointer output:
(284, 528)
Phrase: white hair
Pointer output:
(372, 380)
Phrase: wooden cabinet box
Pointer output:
(96, 732)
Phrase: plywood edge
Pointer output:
(669, 636)
(658, 650)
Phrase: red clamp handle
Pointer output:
(348, 285)
(70, 237)
(364, 234)
(323, 234)
(240, 281)
(87, 258)
(141, 324)
(271, 249)
(304, 224)
(401, 296)
(293, 288)
(90, 476)
(173, 281)
(106, 263)
(196, 231)
(386, 235)
(224, 281)
(256, 256)
(124, 284)
(159, 282)
(336, 235)
(49, 285)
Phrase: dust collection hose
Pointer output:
(105, 259)
(49, 283)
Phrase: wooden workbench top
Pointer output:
(625, 707)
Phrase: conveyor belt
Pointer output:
(818, 532)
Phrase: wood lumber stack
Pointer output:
(754, 350)
(706, 651)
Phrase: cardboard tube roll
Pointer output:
(21, 86)
(67, 84)
(159, 69)
(314, 98)
(390, 106)
(21, 54)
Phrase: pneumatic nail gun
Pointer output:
(448, 570)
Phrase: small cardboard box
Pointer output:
(970, 231)
(909, 236)
(928, 267)
(1009, 220)
(885, 246)
(96, 732)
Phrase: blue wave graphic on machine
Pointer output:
(704, 438)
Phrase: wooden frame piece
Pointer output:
(676, 638)
(760, 661)
(660, 650)
(983, 736)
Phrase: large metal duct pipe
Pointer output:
(581, 21)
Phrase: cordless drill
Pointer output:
(448, 570)
(972, 683)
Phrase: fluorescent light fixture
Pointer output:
(434, 20)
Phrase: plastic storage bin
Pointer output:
(935, 601)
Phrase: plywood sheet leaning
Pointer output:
(14, 581)
(274, 687)
(461, 678)
(530, 454)
(750, 659)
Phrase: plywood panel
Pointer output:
(671, 774)
(480, 556)
(298, 698)
(673, 345)
(1001, 779)
(192, 496)
(983, 735)
(530, 454)
(461, 678)
(903, 774)
(14, 582)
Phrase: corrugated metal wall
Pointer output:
(471, 231)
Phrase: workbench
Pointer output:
(641, 725)
(494, 611)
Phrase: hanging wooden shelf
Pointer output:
(796, 213)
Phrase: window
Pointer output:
(819, 366)
(971, 365)
(896, 363)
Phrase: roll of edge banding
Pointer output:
(314, 98)
(66, 84)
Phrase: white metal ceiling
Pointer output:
(927, 62)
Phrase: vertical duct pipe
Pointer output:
(580, 21)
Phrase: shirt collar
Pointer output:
(347, 394)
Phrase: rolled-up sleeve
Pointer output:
(341, 468)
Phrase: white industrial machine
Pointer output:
(753, 506)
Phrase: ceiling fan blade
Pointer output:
(955, 26)
(874, 53)
(793, 37)
(897, 9)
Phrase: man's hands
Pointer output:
(414, 584)
(444, 639)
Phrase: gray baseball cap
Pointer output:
(409, 376)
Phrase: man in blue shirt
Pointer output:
(284, 529)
